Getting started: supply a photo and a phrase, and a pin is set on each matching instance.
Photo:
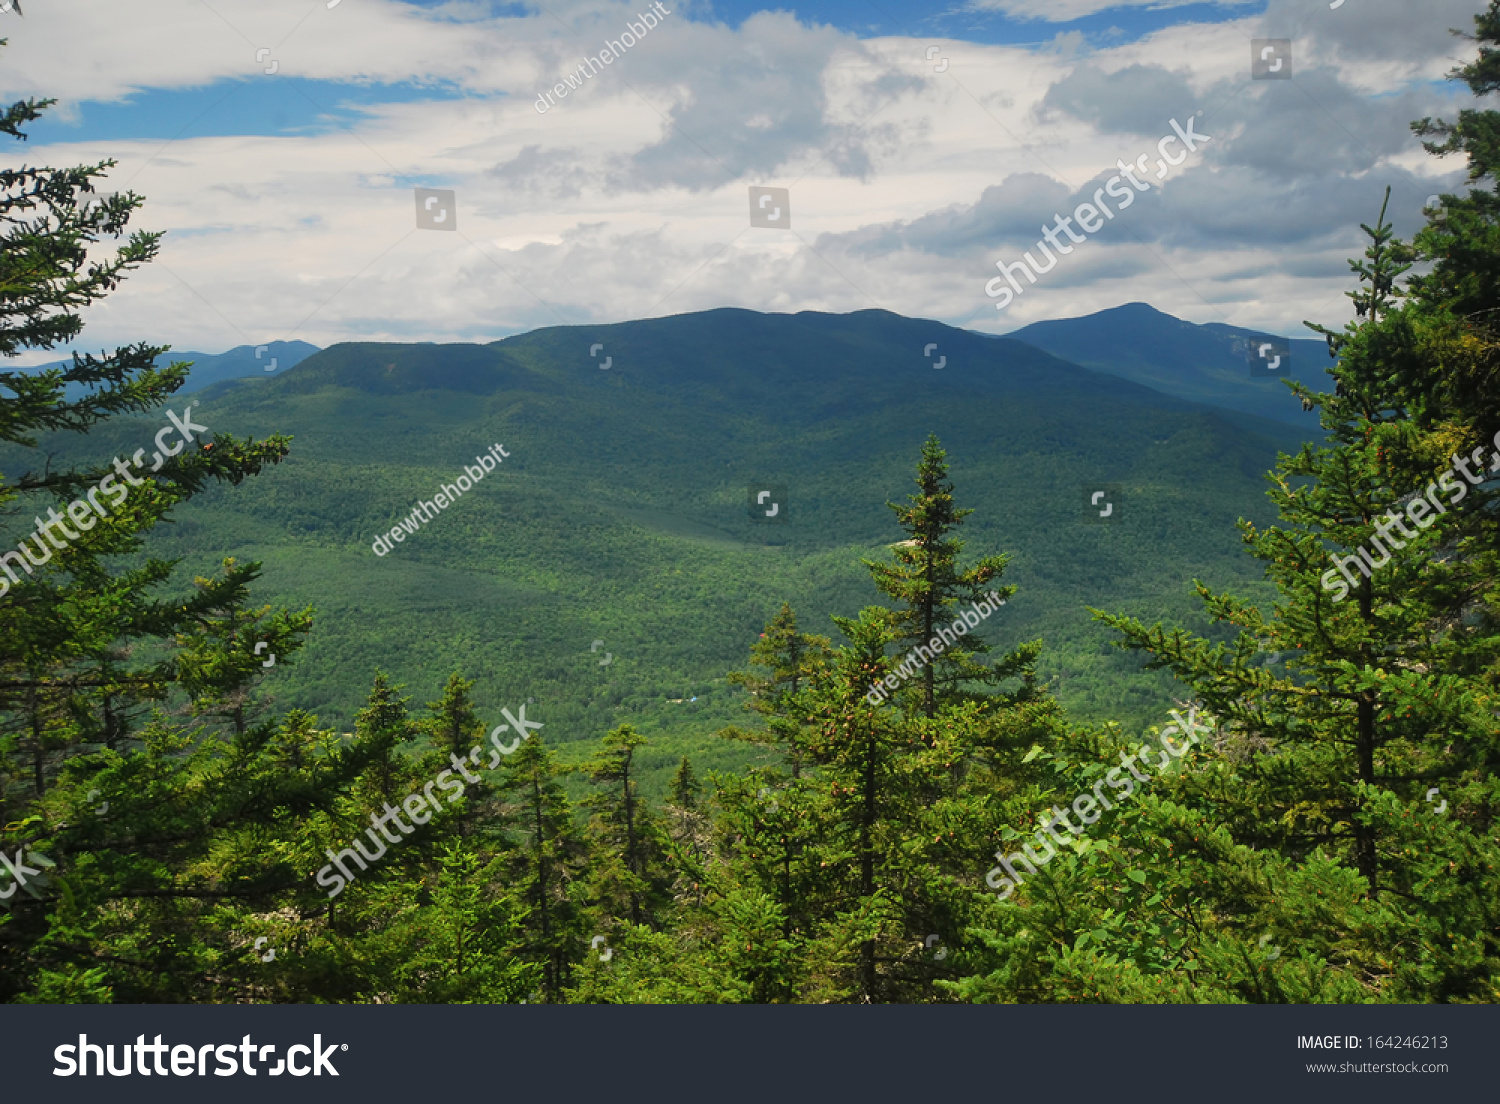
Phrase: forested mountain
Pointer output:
(622, 513)
(206, 369)
(1212, 363)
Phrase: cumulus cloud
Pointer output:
(629, 196)
(1378, 43)
(750, 102)
(83, 50)
(554, 173)
(1293, 168)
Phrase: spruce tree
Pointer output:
(1464, 242)
(224, 648)
(1330, 760)
(455, 936)
(546, 869)
(768, 835)
(628, 867)
(160, 837)
(930, 586)
(688, 833)
(382, 729)
(867, 858)
(453, 723)
(787, 659)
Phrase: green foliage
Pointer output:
(455, 727)
(1331, 756)
(629, 876)
(927, 581)
(547, 866)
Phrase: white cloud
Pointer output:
(1065, 11)
(629, 197)
(85, 50)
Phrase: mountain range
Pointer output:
(243, 362)
(1210, 363)
(634, 509)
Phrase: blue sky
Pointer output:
(244, 105)
(286, 197)
(1111, 25)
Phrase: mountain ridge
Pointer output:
(1208, 363)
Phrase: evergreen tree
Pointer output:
(789, 659)
(158, 838)
(382, 729)
(455, 935)
(220, 653)
(895, 862)
(1464, 243)
(688, 833)
(686, 790)
(928, 582)
(767, 849)
(1329, 760)
(546, 870)
(867, 858)
(454, 724)
(629, 871)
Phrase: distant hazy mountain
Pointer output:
(238, 363)
(241, 363)
(1208, 364)
(624, 513)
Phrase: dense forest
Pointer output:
(1311, 817)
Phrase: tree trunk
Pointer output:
(1364, 835)
(630, 857)
(867, 870)
(550, 967)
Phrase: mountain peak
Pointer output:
(1202, 363)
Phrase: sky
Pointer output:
(279, 146)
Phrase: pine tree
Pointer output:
(223, 648)
(687, 796)
(686, 789)
(454, 724)
(790, 659)
(456, 936)
(63, 612)
(866, 857)
(768, 849)
(158, 835)
(547, 869)
(1464, 243)
(928, 582)
(628, 868)
(1330, 760)
(382, 729)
